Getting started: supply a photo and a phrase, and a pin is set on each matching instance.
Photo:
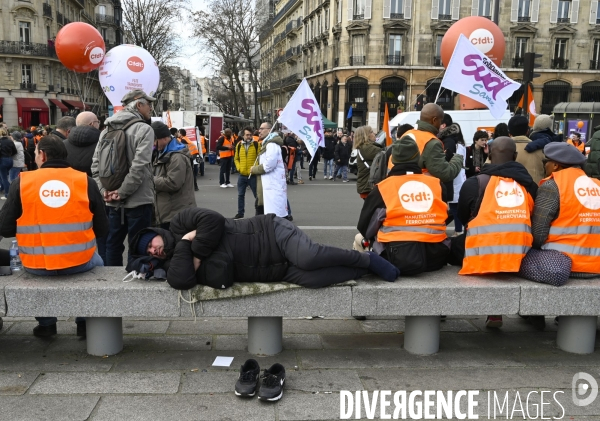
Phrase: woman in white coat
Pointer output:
(271, 186)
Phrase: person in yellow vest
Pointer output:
(55, 213)
(575, 141)
(193, 148)
(495, 207)
(407, 215)
(566, 216)
(433, 159)
(246, 152)
(226, 151)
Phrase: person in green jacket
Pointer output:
(592, 166)
(364, 142)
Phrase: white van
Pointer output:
(469, 120)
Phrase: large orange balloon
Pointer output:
(580, 125)
(80, 47)
(483, 34)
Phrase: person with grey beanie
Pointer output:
(541, 133)
(18, 158)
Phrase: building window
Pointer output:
(520, 50)
(554, 92)
(338, 10)
(486, 8)
(359, 9)
(444, 10)
(598, 14)
(358, 50)
(24, 32)
(590, 92)
(595, 62)
(327, 19)
(437, 57)
(559, 60)
(102, 10)
(395, 50)
(563, 11)
(26, 74)
(524, 10)
(397, 9)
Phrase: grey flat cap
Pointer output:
(563, 153)
(136, 94)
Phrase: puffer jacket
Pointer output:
(173, 182)
(592, 165)
(138, 187)
(244, 158)
(342, 153)
(367, 152)
(541, 139)
(247, 246)
(81, 145)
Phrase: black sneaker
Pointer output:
(238, 216)
(271, 388)
(44, 331)
(248, 379)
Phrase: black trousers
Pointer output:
(314, 265)
(225, 170)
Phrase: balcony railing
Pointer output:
(30, 86)
(47, 10)
(397, 60)
(396, 15)
(559, 63)
(289, 53)
(357, 60)
(437, 61)
(359, 17)
(562, 20)
(81, 2)
(518, 62)
(524, 19)
(88, 17)
(487, 17)
(336, 62)
(27, 48)
(59, 18)
(594, 64)
(109, 19)
(444, 17)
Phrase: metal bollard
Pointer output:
(104, 335)
(577, 334)
(422, 334)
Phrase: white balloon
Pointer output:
(125, 68)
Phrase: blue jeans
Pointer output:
(95, 261)
(136, 219)
(292, 172)
(328, 162)
(242, 183)
(14, 173)
(6, 164)
(343, 170)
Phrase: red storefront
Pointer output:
(77, 105)
(32, 112)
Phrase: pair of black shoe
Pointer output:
(271, 387)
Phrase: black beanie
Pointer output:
(518, 125)
(145, 239)
(160, 130)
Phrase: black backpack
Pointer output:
(113, 164)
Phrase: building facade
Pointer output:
(365, 53)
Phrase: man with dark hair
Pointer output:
(56, 213)
(246, 153)
(225, 147)
(64, 126)
(518, 128)
(174, 132)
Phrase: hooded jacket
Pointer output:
(138, 187)
(592, 165)
(7, 147)
(342, 153)
(329, 149)
(368, 151)
(469, 200)
(449, 136)
(81, 145)
(173, 181)
(541, 139)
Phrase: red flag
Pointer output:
(386, 126)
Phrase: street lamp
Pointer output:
(401, 99)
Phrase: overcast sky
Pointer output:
(192, 56)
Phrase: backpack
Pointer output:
(379, 168)
(113, 164)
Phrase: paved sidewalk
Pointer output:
(165, 372)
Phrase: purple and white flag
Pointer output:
(473, 74)
(302, 116)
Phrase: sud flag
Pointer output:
(530, 107)
(302, 116)
(473, 74)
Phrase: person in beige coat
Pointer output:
(518, 127)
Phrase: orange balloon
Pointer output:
(80, 47)
(580, 125)
(483, 34)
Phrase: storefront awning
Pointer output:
(31, 104)
(60, 105)
(78, 105)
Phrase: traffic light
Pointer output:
(529, 65)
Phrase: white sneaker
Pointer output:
(331, 177)
(325, 178)
(223, 186)
(229, 185)
(345, 181)
(3, 198)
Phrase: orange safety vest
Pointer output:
(191, 146)
(414, 209)
(55, 230)
(421, 138)
(228, 153)
(581, 146)
(203, 143)
(291, 157)
(576, 230)
(500, 235)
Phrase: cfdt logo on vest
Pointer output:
(509, 194)
(135, 64)
(55, 193)
(587, 192)
(415, 196)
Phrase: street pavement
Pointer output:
(165, 371)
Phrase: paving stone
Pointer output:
(321, 326)
(143, 327)
(39, 362)
(106, 383)
(518, 324)
(364, 340)
(5, 327)
(322, 380)
(26, 328)
(240, 342)
(46, 408)
(187, 360)
(167, 343)
(23, 344)
(308, 406)
(184, 407)
(13, 383)
(364, 358)
(213, 325)
(222, 381)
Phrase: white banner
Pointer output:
(302, 116)
(473, 74)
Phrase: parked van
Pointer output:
(469, 120)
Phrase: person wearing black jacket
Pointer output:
(81, 144)
(342, 153)
(450, 135)
(203, 247)
(328, 153)
(7, 150)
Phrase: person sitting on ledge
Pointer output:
(203, 247)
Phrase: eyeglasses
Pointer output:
(264, 128)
